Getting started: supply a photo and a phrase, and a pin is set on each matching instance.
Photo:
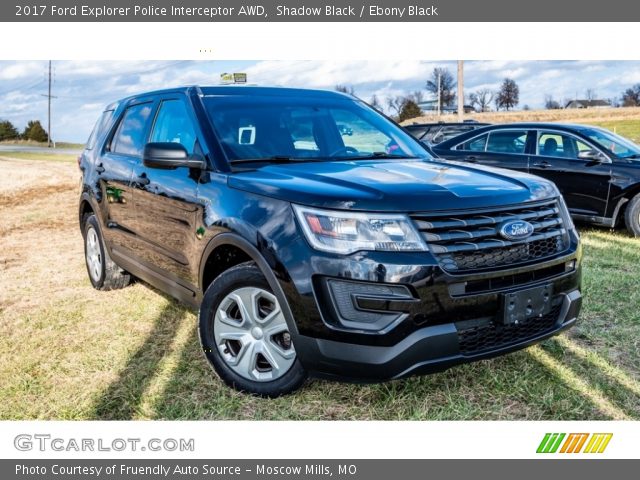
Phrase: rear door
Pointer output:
(584, 184)
(114, 168)
(166, 200)
(505, 148)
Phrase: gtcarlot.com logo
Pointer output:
(574, 443)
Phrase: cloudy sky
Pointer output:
(82, 88)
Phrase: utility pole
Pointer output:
(460, 90)
(49, 97)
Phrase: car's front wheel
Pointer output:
(632, 216)
(245, 336)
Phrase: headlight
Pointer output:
(566, 216)
(348, 232)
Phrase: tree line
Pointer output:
(442, 85)
(33, 131)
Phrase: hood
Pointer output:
(393, 185)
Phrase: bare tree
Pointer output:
(375, 103)
(481, 99)
(417, 96)
(550, 103)
(631, 96)
(442, 78)
(395, 104)
(348, 89)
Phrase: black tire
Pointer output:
(632, 216)
(236, 278)
(108, 276)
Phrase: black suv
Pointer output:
(597, 171)
(312, 252)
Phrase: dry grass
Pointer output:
(591, 116)
(70, 352)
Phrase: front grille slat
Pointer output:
(478, 339)
(466, 241)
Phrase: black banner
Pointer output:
(317, 469)
(320, 11)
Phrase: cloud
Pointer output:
(83, 88)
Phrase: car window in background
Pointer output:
(129, 139)
(554, 144)
(173, 125)
(614, 143)
(477, 144)
(417, 132)
(447, 133)
(508, 141)
(97, 131)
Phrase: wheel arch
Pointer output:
(235, 241)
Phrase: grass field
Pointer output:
(70, 352)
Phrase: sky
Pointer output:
(83, 88)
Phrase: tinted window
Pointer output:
(552, 144)
(173, 125)
(475, 144)
(510, 141)
(449, 132)
(417, 132)
(99, 128)
(129, 139)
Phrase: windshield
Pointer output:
(256, 127)
(616, 144)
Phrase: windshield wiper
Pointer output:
(273, 159)
(377, 155)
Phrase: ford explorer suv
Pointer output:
(313, 253)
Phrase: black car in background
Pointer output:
(435, 133)
(597, 171)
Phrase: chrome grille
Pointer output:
(470, 240)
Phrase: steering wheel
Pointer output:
(345, 149)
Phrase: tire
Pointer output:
(632, 216)
(103, 273)
(245, 337)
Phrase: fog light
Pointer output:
(570, 266)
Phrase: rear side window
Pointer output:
(98, 129)
(510, 141)
(477, 144)
(130, 136)
(174, 125)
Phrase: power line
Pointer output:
(49, 97)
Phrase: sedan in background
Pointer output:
(597, 171)
(435, 133)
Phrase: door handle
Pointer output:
(543, 164)
(99, 168)
(471, 159)
(143, 179)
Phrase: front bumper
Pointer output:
(428, 350)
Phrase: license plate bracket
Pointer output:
(526, 304)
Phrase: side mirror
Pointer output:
(169, 155)
(592, 156)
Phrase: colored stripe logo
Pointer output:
(574, 443)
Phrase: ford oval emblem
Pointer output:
(516, 230)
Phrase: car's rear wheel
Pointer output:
(245, 335)
(632, 216)
(103, 272)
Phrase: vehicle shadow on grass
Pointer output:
(122, 398)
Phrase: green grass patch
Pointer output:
(45, 156)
